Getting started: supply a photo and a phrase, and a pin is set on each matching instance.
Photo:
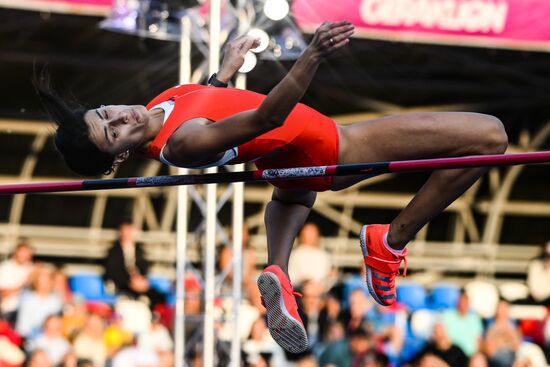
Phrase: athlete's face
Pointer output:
(117, 129)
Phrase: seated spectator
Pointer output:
(363, 308)
(430, 360)
(132, 356)
(442, 347)
(356, 280)
(312, 306)
(375, 359)
(74, 317)
(61, 286)
(335, 332)
(307, 361)
(225, 257)
(10, 353)
(502, 339)
(166, 359)
(115, 336)
(38, 303)
(308, 261)
(158, 337)
(250, 291)
(126, 267)
(51, 340)
(547, 339)
(89, 344)
(357, 348)
(463, 326)
(359, 308)
(478, 360)
(192, 306)
(39, 358)
(193, 327)
(69, 360)
(390, 334)
(538, 277)
(530, 355)
(15, 275)
(7, 331)
(331, 326)
(261, 349)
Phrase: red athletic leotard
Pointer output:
(307, 137)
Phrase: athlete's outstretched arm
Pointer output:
(197, 139)
(233, 56)
(285, 95)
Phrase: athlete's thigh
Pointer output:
(414, 136)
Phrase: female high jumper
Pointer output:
(196, 126)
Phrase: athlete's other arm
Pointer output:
(198, 138)
(233, 56)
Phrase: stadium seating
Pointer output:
(483, 297)
(443, 295)
(412, 295)
(163, 285)
(91, 287)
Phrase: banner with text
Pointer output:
(514, 24)
(80, 7)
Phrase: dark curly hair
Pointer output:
(81, 155)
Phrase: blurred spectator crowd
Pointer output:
(125, 317)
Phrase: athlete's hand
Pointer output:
(233, 57)
(331, 36)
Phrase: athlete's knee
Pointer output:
(300, 197)
(492, 135)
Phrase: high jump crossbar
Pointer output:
(274, 174)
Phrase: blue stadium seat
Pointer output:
(90, 286)
(411, 347)
(164, 286)
(444, 296)
(412, 295)
(160, 283)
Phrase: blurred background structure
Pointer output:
(369, 79)
(491, 59)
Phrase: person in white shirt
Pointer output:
(157, 338)
(538, 277)
(308, 261)
(51, 340)
(37, 304)
(15, 275)
(89, 343)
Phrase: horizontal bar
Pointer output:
(274, 174)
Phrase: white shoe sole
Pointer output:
(288, 332)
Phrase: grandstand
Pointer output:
(491, 234)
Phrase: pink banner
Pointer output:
(516, 24)
(80, 7)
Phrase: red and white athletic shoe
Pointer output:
(382, 264)
(283, 320)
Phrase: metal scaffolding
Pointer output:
(339, 208)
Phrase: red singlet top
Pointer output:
(307, 137)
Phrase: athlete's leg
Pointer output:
(284, 216)
(414, 136)
(417, 136)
